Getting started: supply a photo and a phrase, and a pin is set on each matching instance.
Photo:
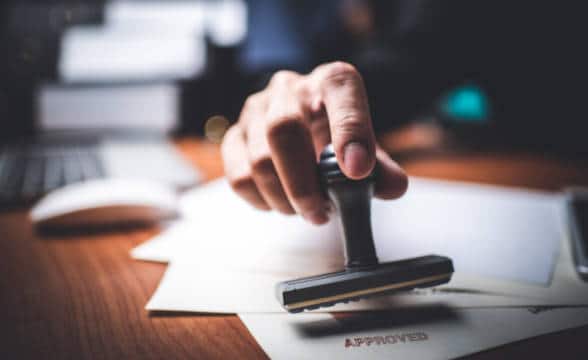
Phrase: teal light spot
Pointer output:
(466, 103)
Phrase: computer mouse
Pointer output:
(105, 203)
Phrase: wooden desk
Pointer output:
(83, 297)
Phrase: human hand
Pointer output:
(270, 154)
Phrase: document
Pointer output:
(227, 258)
(422, 333)
(489, 231)
(514, 271)
(187, 286)
(192, 288)
(209, 286)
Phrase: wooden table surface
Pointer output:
(83, 297)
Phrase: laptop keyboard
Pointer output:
(28, 173)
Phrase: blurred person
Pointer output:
(405, 53)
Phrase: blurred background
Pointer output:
(486, 74)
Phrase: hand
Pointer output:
(270, 154)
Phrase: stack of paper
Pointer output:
(508, 247)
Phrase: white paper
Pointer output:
(488, 231)
(209, 289)
(246, 252)
(424, 333)
(218, 288)
(197, 288)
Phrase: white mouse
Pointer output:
(105, 202)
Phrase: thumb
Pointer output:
(345, 100)
(356, 161)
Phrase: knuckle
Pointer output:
(282, 77)
(253, 101)
(230, 144)
(301, 88)
(339, 73)
(284, 125)
(341, 67)
(228, 138)
(350, 123)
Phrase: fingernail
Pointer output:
(356, 159)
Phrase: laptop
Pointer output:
(85, 132)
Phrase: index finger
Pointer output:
(343, 95)
(293, 154)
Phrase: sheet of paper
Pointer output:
(424, 333)
(187, 286)
(489, 231)
(192, 288)
(208, 287)
(251, 251)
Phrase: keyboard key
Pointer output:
(32, 186)
(13, 178)
(30, 172)
(53, 173)
(72, 166)
(3, 166)
(91, 166)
